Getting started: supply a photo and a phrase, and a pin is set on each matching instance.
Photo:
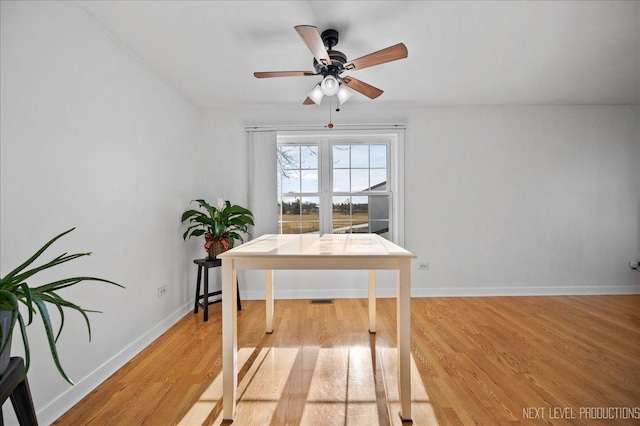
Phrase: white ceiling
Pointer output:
(460, 53)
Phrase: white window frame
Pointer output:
(394, 138)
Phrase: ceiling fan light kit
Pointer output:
(316, 94)
(329, 85)
(330, 63)
(344, 93)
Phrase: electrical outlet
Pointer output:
(423, 266)
(162, 291)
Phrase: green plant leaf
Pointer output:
(62, 303)
(57, 261)
(50, 338)
(236, 209)
(186, 215)
(67, 282)
(197, 232)
(26, 291)
(29, 261)
(60, 310)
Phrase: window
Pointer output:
(339, 184)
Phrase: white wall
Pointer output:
(524, 200)
(92, 138)
(500, 200)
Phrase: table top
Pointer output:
(315, 245)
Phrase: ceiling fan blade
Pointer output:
(362, 87)
(311, 37)
(308, 101)
(267, 74)
(393, 53)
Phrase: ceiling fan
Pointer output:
(330, 64)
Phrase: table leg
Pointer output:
(268, 279)
(229, 340)
(404, 338)
(195, 308)
(372, 301)
(205, 300)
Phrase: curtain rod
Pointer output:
(316, 127)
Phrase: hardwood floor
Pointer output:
(569, 360)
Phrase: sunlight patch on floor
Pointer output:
(343, 385)
(342, 388)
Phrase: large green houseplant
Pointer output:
(15, 289)
(221, 225)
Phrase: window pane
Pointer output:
(291, 227)
(341, 227)
(360, 214)
(289, 218)
(309, 227)
(360, 156)
(341, 180)
(379, 207)
(378, 155)
(359, 180)
(378, 179)
(290, 182)
(290, 208)
(341, 214)
(310, 215)
(380, 227)
(288, 157)
(341, 156)
(310, 208)
(310, 181)
(341, 204)
(279, 181)
(309, 157)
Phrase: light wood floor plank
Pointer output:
(490, 360)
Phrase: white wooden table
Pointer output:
(311, 251)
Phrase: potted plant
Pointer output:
(14, 290)
(221, 225)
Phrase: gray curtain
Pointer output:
(263, 190)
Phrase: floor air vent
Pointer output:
(321, 301)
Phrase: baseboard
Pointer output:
(524, 291)
(56, 408)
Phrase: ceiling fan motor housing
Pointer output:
(329, 38)
(338, 59)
